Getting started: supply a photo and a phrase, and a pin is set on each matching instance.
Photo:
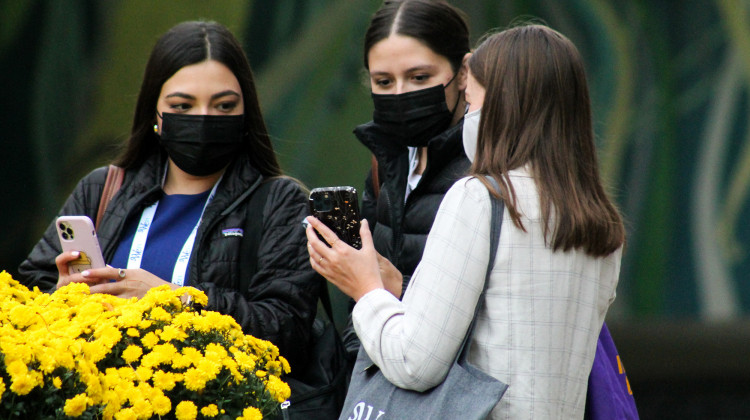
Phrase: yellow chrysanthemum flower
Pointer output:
(170, 332)
(143, 409)
(186, 410)
(285, 364)
(23, 384)
(189, 357)
(164, 380)
(159, 314)
(143, 373)
(109, 335)
(161, 404)
(57, 382)
(195, 379)
(132, 353)
(75, 406)
(278, 389)
(251, 413)
(16, 367)
(210, 410)
(126, 414)
(150, 340)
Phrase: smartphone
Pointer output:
(77, 233)
(338, 208)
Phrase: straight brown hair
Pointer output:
(537, 111)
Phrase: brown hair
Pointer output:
(537, 111)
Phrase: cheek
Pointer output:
(452, 96)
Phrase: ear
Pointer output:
(463, 72)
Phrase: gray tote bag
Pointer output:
(467, 393)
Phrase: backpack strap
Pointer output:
(375, 176)
(251, 240)
(252, 233)
(112, 184)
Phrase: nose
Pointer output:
(400, 87)
(403, 87)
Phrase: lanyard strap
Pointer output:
(141, 234)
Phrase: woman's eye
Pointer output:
(227, 106)
(421, 77)
(179, 107)
(383, 82)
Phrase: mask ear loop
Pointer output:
(458, 97)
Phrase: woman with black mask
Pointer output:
(198, 154)
(413, 51)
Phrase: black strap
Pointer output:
(251, 240)
(251, 234)
(496, 222)
(325, 299)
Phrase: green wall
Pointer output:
(669, 81)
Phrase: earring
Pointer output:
(156, 128)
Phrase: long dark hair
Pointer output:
(435, 23)
(537, 111)
(185, 44)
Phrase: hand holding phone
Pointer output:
(77, 233)
(338, 208)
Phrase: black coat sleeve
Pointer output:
(39, 268)
(281, 300)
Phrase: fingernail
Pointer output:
(76, 253)
(85, 273)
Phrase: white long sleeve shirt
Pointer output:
(537, 329)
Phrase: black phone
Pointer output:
(338, 208)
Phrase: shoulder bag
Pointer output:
(466, 393)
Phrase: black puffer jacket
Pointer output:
(280, 302)
(400, 229)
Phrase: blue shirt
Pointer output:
(174, 220)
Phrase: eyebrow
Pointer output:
(409, 70)
(215, 96)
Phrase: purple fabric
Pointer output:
(609, 394)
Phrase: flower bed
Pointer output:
(82, 355)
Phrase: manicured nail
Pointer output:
(85, 273)
(76, 253)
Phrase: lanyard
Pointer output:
(141, 234)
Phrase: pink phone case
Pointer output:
(77, 233)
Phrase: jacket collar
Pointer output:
(239, 177)
(441, 149)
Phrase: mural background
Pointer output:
(669, 82)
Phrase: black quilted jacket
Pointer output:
(400, 229)
(280, 303)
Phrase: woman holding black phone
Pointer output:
(414, 52)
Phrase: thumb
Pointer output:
(365, 234)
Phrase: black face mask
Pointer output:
(202, 144)
(413, 118)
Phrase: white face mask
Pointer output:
(470, 133)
